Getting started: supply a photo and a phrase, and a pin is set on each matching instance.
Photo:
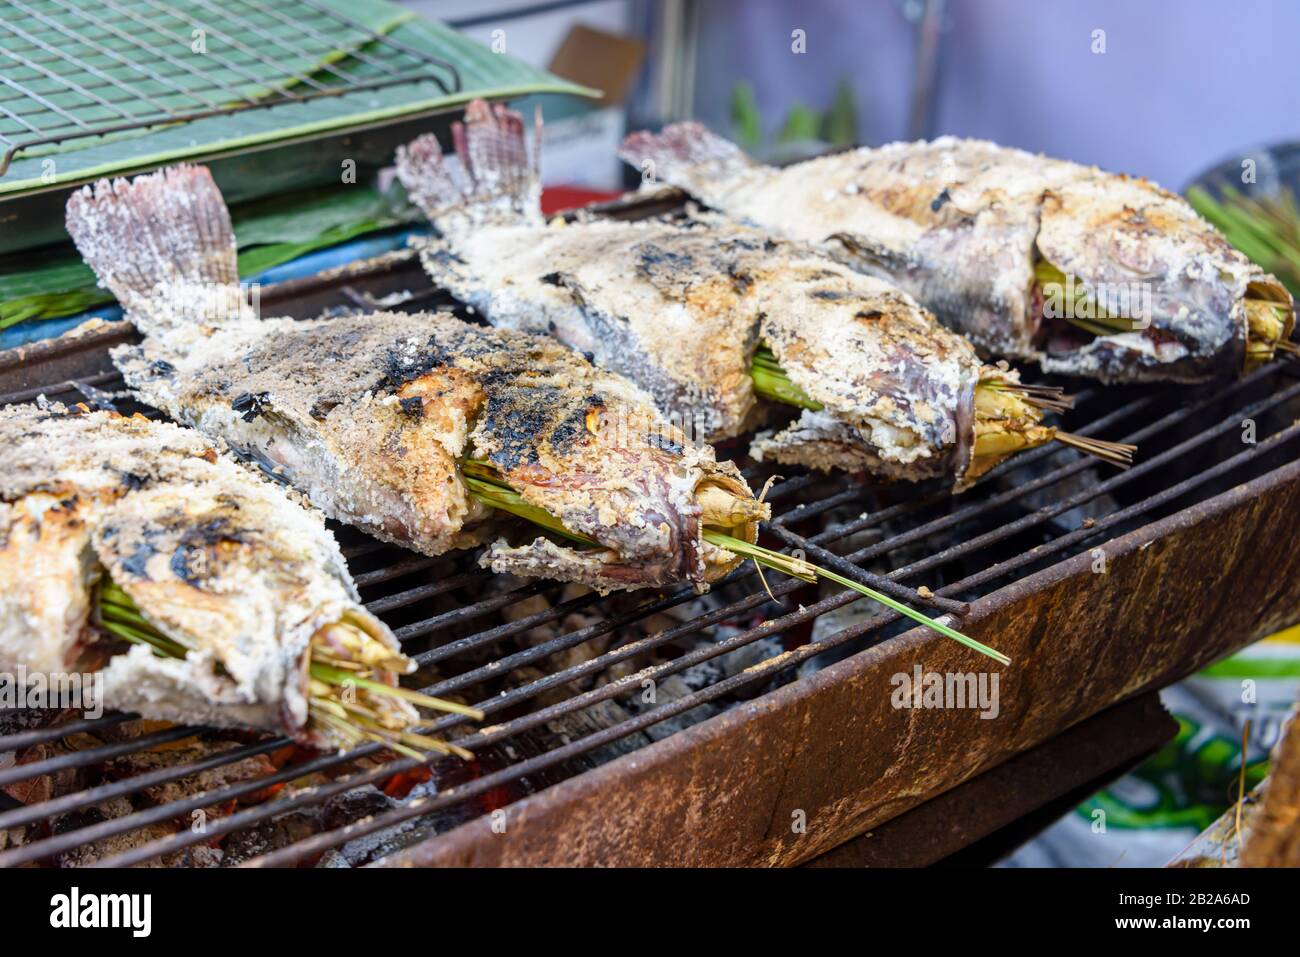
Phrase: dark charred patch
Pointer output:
(161, 367)
(191, 561)
(552, 279)
(663, 443)
(137, 563)
(654, 257)
(412, 407)
(831, 295)
(442, 349)
(941, 200)
(518, 419)
(321, 408)
(257, 457)
(250, 405)
(868, 314)
(132, 481)
(741, 280)
(573, 427)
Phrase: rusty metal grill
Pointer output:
(1027, 514)
(72, 69)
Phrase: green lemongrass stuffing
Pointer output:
(342, 713)
(1000, 428)
(771, 382)
(494, 492)
(1099, 323)
(1266, 320)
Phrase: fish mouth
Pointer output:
(1252, 327)
(1270, 321)
(729, 508)
(719, 504)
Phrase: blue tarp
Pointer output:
(308, 265)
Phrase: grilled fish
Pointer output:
(247, 583)
(1086, 272)
(373, 416)
(683, 309)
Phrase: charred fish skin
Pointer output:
(215, 557)
(680, 309)
(371, 416)
(961, 224)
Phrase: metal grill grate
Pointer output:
(71, 69)
(1021, 517)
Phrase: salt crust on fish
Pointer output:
(215, 557)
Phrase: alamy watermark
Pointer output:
(952, 689)
(1075, 299)
(78, 691)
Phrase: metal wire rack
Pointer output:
(965, 546)
(72, 69)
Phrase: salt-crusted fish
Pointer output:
(377, 417)
(703, 315)
(1087, 272)
(203, 592)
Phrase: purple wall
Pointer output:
(1180, 86)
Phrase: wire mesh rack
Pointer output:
(74, 69)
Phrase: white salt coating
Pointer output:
(371, 415)
(214, 556)
(959, 224)
(680, 310)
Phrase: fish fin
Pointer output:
(162, 244)
(498, 182)
(691, 157)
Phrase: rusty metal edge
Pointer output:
(831, 749)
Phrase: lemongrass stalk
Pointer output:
(1099, 323)
(766, 556)
(118, 614)
(507, 499)
(334, 676)
(772, 382)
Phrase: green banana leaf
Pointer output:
(268, 232)
(483, 73)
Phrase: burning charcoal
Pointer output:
(142, 762)
(342, 809)
(18, 720)
(1066, 522)
(270, 835)
(86, 854)
(747, 656)
(598, 717)
(678, 686)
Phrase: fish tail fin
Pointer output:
(498, 182)
(690, 156)
(163, 245)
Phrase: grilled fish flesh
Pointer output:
(1086, 272)
(246, 582)
(682, 310)
(373, 416)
